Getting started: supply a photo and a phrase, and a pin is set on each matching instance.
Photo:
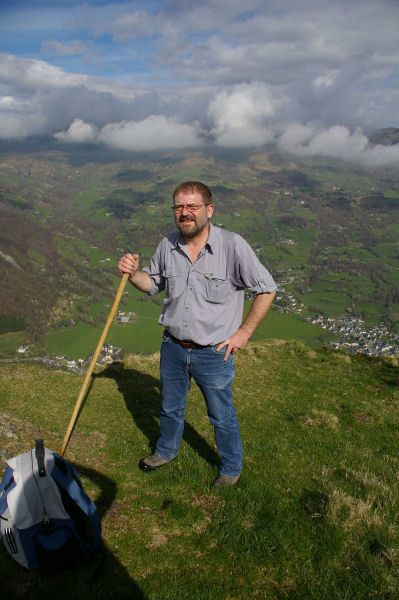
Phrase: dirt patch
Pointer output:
(207, 503)
(158, 539)
(362, 417)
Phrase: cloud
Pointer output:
(19, 126)
(133, 25)
(312, 77)
(78, 132)
(336, 142)
(63, 48)
(155, 132)
(23, 76)
(18, 118)
(40, 98)
(381, 156)
(240, 116)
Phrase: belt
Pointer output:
(186, 343)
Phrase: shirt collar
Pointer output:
(211, 237)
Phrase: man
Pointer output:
(204, 271)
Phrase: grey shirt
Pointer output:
(204, 299)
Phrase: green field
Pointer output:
(331, 303)
(143, 336)
(10, 342)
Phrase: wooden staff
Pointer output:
(85, 384)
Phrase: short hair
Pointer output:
(194, 186)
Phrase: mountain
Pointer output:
(326, 229)
(387, 136)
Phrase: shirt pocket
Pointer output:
(172, 283)
(218, 290)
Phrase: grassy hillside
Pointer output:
(327, 230)
(315, 514)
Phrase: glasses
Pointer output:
(192, 208)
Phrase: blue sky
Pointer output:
(311, 76)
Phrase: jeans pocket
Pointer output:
(214, 350)
(165, 337)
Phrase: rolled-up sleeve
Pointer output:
(249, 270)
(155, 271)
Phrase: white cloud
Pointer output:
(29, 75)
(336, 142)
(78, 131)
(382, 156)
(240, 116)
(154, 133)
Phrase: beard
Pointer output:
(190, 232)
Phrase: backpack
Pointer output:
(47, 521)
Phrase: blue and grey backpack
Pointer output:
(47, 521)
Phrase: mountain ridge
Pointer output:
(388, 136)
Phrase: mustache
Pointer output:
(186, 218)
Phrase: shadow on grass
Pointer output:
(102, 577)
(389, 374)
(384, 371)
(141, 393)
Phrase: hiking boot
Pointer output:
(224, 480)
(152, 462)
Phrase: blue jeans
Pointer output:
(214, 377)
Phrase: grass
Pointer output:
(10, 342)
(313, 516)
(342, 290)
(331, 302)
(290, 326)
(143, 335)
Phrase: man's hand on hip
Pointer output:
(259, 309)
(236, 342)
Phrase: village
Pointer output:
(354, 336)
(108, 355)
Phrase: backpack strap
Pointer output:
(40, 458)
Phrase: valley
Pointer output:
(327, 230)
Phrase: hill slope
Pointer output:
(313, 516)
(327, 230)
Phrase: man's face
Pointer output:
(192, 222)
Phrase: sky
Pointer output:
(314, 77)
